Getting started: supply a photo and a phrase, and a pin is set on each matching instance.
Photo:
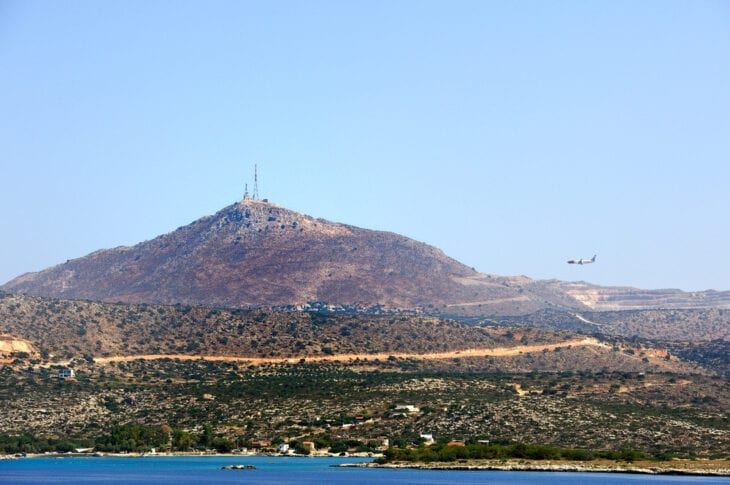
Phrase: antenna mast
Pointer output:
(255, 183)
(245, 192)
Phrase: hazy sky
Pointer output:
(513, 135)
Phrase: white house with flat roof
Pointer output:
(66, 373)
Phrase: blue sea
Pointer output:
(283, 470)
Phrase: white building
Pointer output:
(66, 373)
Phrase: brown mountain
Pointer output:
(254, 253)
(257, 254)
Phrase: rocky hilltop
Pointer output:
(254, 253)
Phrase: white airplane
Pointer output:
(582, 261)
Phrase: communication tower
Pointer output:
(255, 183)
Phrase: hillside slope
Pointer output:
(61, 330)
(698, 324)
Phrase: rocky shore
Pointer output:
(719, 468)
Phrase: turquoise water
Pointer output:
(284, 470)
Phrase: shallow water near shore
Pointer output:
(284, 470)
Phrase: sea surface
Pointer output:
(284, 470)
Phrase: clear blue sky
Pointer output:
(512, 135)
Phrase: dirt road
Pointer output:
(493, 352)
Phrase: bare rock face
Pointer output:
(612, 298)
(255, 253)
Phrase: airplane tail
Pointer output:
(593, 259)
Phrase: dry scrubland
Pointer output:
(696, 325)
(73, 328)
(533, 385)
(657, 413)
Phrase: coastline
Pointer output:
(710, 468)
(714, 468)
(182, 454)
